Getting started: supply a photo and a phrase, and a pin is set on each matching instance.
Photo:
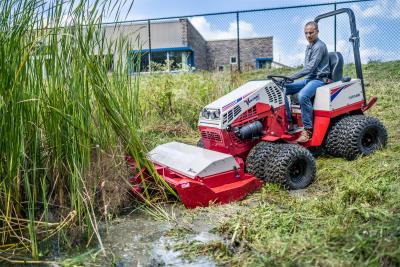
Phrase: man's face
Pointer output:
(311, 33)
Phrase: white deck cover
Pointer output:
(192, 161)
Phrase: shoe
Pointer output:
(293, 128)
(305, 136)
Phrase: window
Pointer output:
(162, 60)
(144, 62)
(263, 63)
(158, 61)
(177, 60)
(233, 60)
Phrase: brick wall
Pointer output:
(191, 37)
(220, 52)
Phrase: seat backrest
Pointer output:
(336, 65)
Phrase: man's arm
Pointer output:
(315, 59)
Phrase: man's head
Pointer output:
(311, 31)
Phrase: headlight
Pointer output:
(205, 113)
(215, 114)
(210, 113)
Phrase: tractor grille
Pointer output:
(248, 114)
(231, 114)
(212, 136)
(274, 95)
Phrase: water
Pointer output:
(140, 240)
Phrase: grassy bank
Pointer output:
(348, 216)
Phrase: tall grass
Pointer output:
(60, 110)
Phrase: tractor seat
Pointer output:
(336, 74)
(336, 66)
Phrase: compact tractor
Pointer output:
(245, 139)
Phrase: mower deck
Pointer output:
(201, 176)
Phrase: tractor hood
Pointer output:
(220, 113)
(237, 95)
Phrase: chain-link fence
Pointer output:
(255, 39)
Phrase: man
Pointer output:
(316, 70)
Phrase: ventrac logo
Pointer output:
(251, 99)
(354, 96)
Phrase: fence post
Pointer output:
(238, 41)
(149, 31)
(334, 27)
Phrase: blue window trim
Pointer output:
(166, 49)
(169, 49)
(270, 59)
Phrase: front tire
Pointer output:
(260, 155)
(292, 166)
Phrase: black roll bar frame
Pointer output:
(354, 39)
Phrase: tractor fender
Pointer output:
(321, 125)
(270, 138)
(371, 102)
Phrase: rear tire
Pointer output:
(317, 151)
(334, 143)
(258, 157)
(292, 166)
(364, 135)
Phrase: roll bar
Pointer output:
(354, 38)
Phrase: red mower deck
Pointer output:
(201, 176)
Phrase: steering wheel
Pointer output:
(280, 80)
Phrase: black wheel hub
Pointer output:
(297, 170)
(369, 139)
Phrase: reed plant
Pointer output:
(60, 109)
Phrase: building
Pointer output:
(176, 45)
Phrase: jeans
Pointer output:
(306, 90)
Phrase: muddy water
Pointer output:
(141, 240)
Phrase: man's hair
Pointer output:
(312, 23)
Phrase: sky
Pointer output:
(378, 22)
(145, 9)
